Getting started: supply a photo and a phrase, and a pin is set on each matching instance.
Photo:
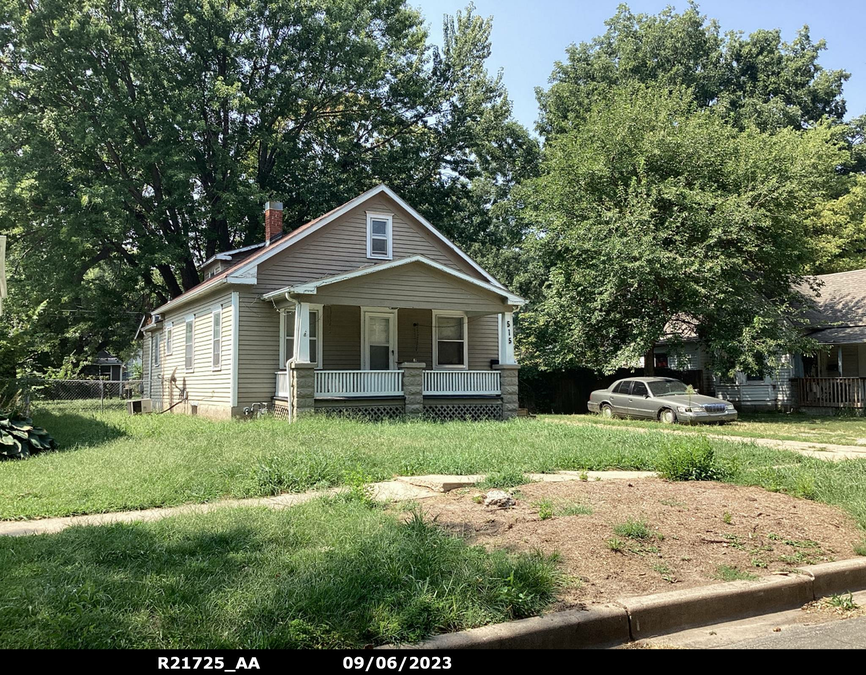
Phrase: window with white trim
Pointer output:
(288, 331)
(154, 349)
(450, 346)
(168, 332)
(189, 344)
(379, 229)
(216, 340)
(315, 316)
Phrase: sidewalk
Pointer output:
(400, 489)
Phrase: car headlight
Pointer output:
(683, 409)
(730, 406)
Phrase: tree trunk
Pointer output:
(649, 362)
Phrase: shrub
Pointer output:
(19, 438)
(689, 459)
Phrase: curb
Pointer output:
(650, 615)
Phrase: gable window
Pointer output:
(450, 348)
(216, 359)
(168, 332)
(189, 345)
(379, 228)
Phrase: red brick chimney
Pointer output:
(273, 221)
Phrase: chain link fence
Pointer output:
(48, 394)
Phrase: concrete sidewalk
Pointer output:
(402, 488)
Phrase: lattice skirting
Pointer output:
(281, 410)
(372, 413)
(473, 412)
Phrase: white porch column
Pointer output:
(506, 338)
(302, 332)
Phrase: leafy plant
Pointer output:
(844, 602)
(690, 459)
(19, 438)
(615, 544)
(545, 509)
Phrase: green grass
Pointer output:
(113, 462)
(327, 574)
(633, 529)
(728, 573)
(836, 429)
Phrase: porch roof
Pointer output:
(844, 335)
(312, 287)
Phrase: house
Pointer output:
(105, 366)
(367, 309)
(832, 378)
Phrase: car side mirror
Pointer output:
(646, 395)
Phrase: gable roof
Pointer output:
(243, 271)
(840, 301)
(310, 287)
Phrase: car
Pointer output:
(660, 398)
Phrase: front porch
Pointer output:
(417, 341)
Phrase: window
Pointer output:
(314, 337)
(189, 344)
(288, 330)
(623, 387)
(661, 360)
(379, 236)
(154, 350)
(449, 331)
(168, 331)
(639, 389)
(217, 338)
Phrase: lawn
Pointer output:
(113, 461)
(335, 573)
(836, 429)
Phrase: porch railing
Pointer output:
(831, 392)
(358, 383)
(462, 382)
(282, 387)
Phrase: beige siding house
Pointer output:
(367, 309)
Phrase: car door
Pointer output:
(619, 397)
(639, 405)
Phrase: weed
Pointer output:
(860, 549)
(574, 509)
(615, 544)
(633, 529)
(727, 518)
(584, 476)
(504, 479)
(665, 572)
(729, 573)
(689, 459)
(843, 602)
(545, 509)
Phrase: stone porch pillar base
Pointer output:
(413, 388)
(303, 389)
(508, 386)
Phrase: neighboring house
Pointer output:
(368, 308)
(104, 367)
(834, 377)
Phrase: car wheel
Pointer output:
(668, 416)
(607, 412)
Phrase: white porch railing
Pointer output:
(359, 383)
(282, 388)
(462, 382)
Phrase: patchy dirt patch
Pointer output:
(623, 538)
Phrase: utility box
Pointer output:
(141, 406)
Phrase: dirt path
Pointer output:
(402, 488)
(828, 451)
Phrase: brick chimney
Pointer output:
(273, 221)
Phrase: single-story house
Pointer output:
(105, 366)
(834, 377)
(366, 309)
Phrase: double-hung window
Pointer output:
(155, 346)
(288, 331)
(449, 341)
(379, 230)
(216, 340)
(189, 344)
(168, 331)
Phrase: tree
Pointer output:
(139, 138)
(839, 227)
(655, 216)
(759, 80)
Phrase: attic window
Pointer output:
(379, 228)
(213, 271)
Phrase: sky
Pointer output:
(530, 35)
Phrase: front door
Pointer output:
(379, 341)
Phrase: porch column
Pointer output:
(302, 331)
(508, 386)
(303, 388)
(413, 388)
(506, 338)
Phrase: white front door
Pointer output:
(380, 331)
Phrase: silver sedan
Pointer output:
(659, 398)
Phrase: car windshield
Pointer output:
(667, 388)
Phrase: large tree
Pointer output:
(654, 216)
(140, 137)
(759, 79)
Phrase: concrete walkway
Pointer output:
(402, 488)
(828, 451)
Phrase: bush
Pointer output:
(689, 459)
(19, 438)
